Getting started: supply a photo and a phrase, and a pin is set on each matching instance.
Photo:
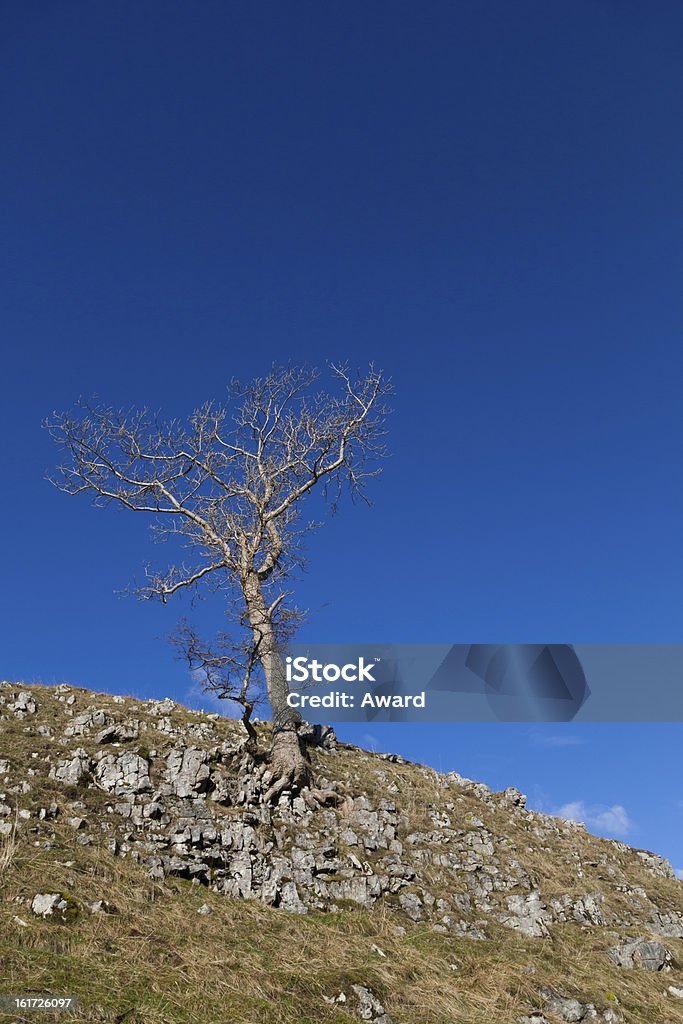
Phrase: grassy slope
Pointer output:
(157, 961)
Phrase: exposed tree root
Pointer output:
(288, 766)
(288, 769)
(315, 797)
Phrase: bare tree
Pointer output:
(231, 485)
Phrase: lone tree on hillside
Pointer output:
(231, 485)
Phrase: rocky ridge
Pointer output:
(176, 792)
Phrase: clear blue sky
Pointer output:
(485, 199)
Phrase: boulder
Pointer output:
(24, 704)
(647, 954)
(527, 914)
(187, 769)
(71, 770)
(124, 775)
(82, 724)
(117, 734)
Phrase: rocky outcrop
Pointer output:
(125, 775)
(177, 793)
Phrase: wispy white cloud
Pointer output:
(614, 820)
(207, 700)
(557, 740)
(370, 741)
(679, 872)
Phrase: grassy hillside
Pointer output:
(165, 950)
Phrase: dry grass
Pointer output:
(8, 846)
(154, 960)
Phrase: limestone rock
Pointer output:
(648, 954)
(527, 914)
(24, 704)
(45, 904)
(72, 770)
(161, 707)
(187, 770)
(82, 725)
(126, 774)
(117, 734)
(411, 904)
(655, 864)
(368, 1006)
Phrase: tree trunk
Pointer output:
(288, 762)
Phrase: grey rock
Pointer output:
(462, 927)
(290, 900)
(188, 771)
(321, 736)
(222, 789)
(647, 954)
(24, 704)
(668, 925)
(48, 813)
(512, 797)
(527, 914)
(98, 907)
(368, 1006)
(364, 889)
(161, 707)
(83, 724)
(117, 734)
(153, 811)
(655, 864)
(44, 904)
(126, 774)
(71, 770)
(411, 904)
(565, 1008)
(586, 909)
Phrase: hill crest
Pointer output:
(168, 799)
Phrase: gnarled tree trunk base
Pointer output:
(288, 764)
(288, 769)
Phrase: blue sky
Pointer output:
(485, 199)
